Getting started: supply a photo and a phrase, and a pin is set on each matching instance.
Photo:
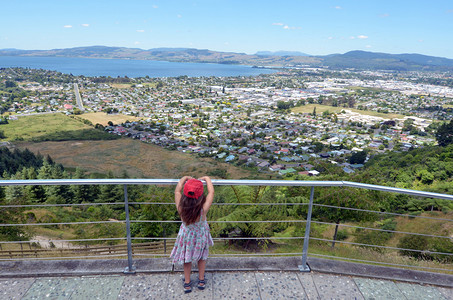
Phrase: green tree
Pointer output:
(155, 212)
(343, 197)
(358, 157)
(10, 84)
(81, 193)
(444, 134)
(110, 193)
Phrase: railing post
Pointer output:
(304, 267)
(130, 269)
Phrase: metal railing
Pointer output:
(308, 221)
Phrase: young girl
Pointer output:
(194, 238)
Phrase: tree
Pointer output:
(343, 197)
(81, 192)
(255, 194)
(408, 125)
(10, 84)
(444, 134)
(281, 105)
(358, 157)
(155, 212)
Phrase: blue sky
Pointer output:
(313, 27)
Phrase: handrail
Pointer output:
(221, 182)
(306, 183)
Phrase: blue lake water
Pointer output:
(128, 67)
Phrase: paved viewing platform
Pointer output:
(227, 278)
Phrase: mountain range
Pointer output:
(361, 60)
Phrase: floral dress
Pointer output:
(192, 243)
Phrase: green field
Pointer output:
(30, 127)
(335, 109)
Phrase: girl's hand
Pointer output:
(185, 178)
(180, 185)
(179, 188)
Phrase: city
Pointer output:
(279, 123)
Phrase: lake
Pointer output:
(129, 67)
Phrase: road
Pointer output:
(78, 98)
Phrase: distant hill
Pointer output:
(354, 59)
(281, 53)
(384, 61)
(167, 54)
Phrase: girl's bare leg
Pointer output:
(187, 270)
(201, 268)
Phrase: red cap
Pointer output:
(193, 188)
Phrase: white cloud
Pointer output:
(420, 41)
(330, 38)
(155, 6)
(384, 15)
(362, 37)
(85, 25)
(179, 16)
(136, 43)
(140, 30)
(286, 26)
(368, 46)
(67, 26)
(338, 7)
(352, 37)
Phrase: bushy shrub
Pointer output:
(414, 242)
(342, 235)
(427, 245)
(372, 237)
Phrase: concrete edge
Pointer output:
(61, 268)
(381, 272)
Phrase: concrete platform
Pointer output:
(227, 278)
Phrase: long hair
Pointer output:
(190, 209)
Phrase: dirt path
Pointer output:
(45, 242)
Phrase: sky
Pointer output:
(315, 27)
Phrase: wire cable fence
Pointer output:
(160, 246)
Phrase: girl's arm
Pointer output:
(179, 188)
(210, 196)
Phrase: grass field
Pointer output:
(335, 109)
(134, 157)
(103, 118)
(128, 85)
(28, 127)
(120, 85)
(371, 89)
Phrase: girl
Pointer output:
(194, 238)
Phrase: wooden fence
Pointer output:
(151, 248)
